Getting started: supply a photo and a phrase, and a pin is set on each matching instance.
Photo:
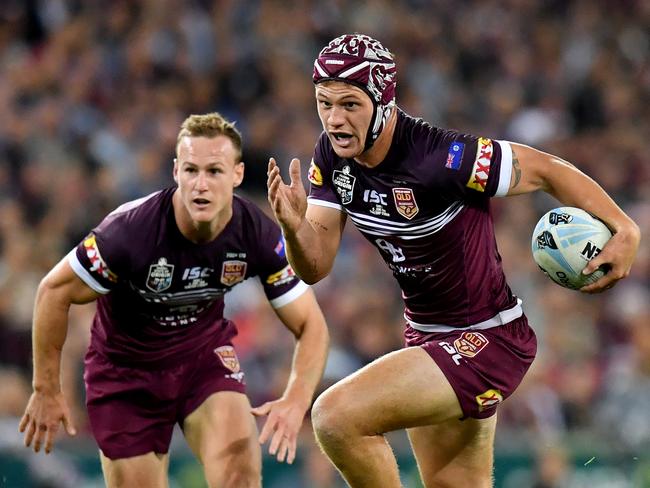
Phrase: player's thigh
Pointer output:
(405, 388)
(223, 435)
(455, 453)
(144, 471)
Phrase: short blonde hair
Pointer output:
(210, 125)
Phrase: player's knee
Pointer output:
(236, 480)
(125, 477)
(462, 479)
(242, 469)
(330, 423)
(238, 476)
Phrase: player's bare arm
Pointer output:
(305, 320)
(47, 408)
(535, 170)
(313, 233)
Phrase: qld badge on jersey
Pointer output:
(232, 272)
(405, 202)
(160, 276)
(344, 184)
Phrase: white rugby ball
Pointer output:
(564, 240)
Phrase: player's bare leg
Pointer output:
(399, 390)
(456, 453)
(223, 435)
(146, 471)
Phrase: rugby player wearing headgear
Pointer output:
(161, 351)
(421, 195)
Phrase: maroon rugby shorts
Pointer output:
(132, 411)
(484, 367)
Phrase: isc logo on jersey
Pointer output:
(481, 167)
(314, 175)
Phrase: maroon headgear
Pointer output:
(361, 61)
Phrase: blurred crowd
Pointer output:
(93, 93)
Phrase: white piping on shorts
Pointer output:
(501, 318)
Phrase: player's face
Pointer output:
(207, 171)
(345, 112)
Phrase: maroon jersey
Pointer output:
(426, 209)
(163, 295)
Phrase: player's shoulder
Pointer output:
(141, 213)
(417, 132)
(249, 212)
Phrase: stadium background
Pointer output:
(92, 95)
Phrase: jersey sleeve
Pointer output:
(280, 282)
(473, 167)
(100, 259)
(321, 191)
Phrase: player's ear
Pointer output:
(239, 174)
(175, 170)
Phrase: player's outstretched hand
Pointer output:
(43, 414)
(289, 202)
(282, 427)
(617, 255)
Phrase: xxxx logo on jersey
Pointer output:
(97, 264)
(314, 175)
(481, 168)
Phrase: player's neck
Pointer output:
(376, 154)
(199, 232)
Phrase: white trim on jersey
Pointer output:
(501, 318)
(506, 169)
(325, 203)
(290, 296)
(407, 231)
(125, 207)
(83, 273)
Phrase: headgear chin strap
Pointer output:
(361, 61)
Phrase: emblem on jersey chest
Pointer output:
(232, 272)
(344, 183)
(405, 202)
(160, 276)
(377, 201)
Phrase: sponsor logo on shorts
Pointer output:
(285, 275)
(481, 168)
(232, 272)
(488, 399)
(160, 276)
(228, 358)
(97, 264)
(469, 344)
(314, 175)
(405, 202)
